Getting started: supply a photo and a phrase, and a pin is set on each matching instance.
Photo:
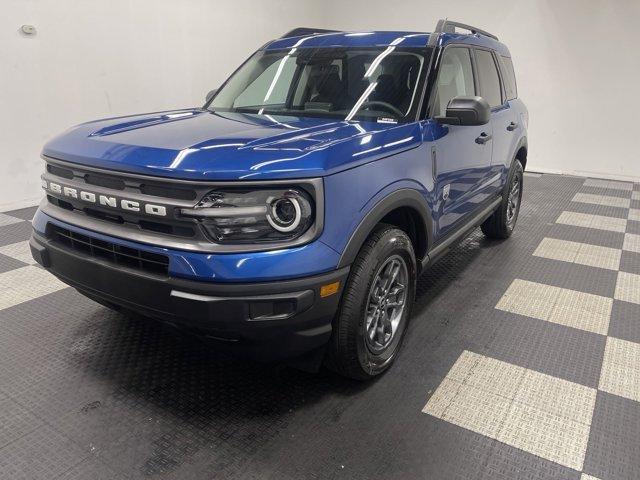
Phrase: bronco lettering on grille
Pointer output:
(104, 200)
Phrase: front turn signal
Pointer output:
(329, 289)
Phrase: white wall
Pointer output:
(577, 65)
(93, 59)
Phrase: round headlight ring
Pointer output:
(279, 224)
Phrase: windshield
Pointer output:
(378, 84)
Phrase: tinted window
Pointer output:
(509, 77)
(488, 76)
(454, 78)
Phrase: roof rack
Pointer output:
(302, 31)
(449, 26)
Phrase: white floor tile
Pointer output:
(581, 253)
(604, 200)
(534, 412)
(8, 220)
(631, 242)
(19, 251)
(611, 184)
(529, 299)
(621, 369)
(26, 283)
(566, 307)
(546, 435)
(628, 287)
(634, 214)
(598, 222)
(584, 476)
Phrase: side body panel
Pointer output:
(463, 168)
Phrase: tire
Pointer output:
(352, 352)
(500, 225)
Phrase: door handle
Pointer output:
(512, 126)
(483, 138)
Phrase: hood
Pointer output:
(199, 144)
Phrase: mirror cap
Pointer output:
(466, 110)
(211, 94)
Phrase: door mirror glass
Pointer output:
(211, 94)
(466, 110)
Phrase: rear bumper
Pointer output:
(267, 321)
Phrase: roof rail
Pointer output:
(449, 26)
(302, 31)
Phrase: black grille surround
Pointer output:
(117, 254)
(164, 225)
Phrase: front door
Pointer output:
(461, 154)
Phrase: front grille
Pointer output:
(170, 194)
(116, 254)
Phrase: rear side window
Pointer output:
(509, 77)
(454, 78)
(489, 79)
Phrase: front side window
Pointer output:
(345, 83)
(489, 79)
(455, 78)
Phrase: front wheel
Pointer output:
(503, 221)
(375, 307)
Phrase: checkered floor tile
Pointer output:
(547, 416)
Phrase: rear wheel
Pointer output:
(375, 307)
(503, 220)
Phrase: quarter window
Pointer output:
(489, 79)
(509, 78)
(454, 78)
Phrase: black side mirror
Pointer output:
(211, 94)
(466, 110)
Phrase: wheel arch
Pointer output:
(521, 150)
(406, 208)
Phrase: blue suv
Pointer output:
(289, 217)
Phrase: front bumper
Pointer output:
(265, 320)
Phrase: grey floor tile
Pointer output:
(614, 445)
(15, 421)
(23, 213)
(41, 454)
(16, 232)
(9, 263)
(633, 227)
(630, 262)
(625, 321)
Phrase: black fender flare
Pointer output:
(521, 143)
(405, 197)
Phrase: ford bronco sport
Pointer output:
(289, 217)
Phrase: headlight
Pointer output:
(248, 216)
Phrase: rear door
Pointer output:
(502, 116)
(462, 154)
